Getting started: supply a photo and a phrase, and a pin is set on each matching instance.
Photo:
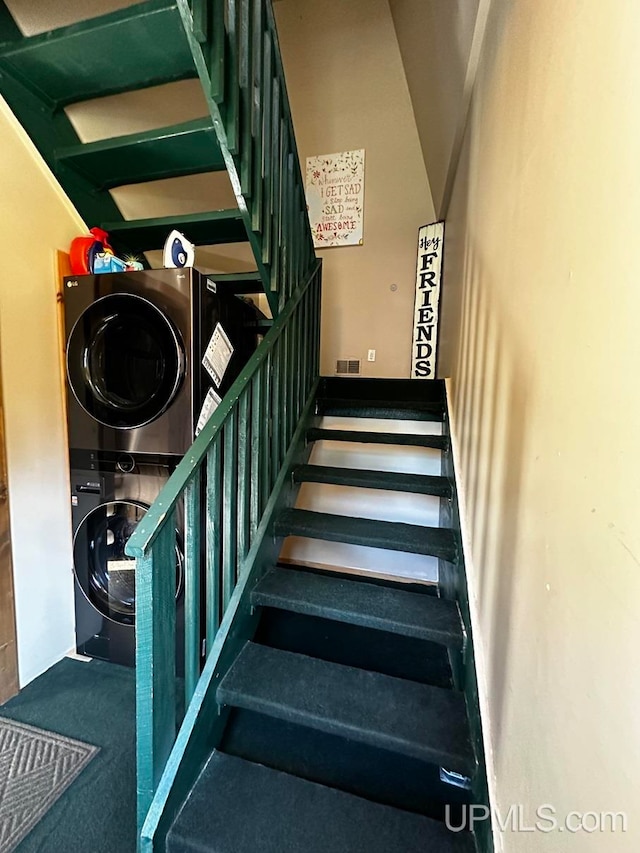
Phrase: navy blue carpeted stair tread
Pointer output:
(429, 723)
(376, 774)
(423, 661)
(390, 535)
(361, 388)
(386, 409)
(437, 442)
(407, 613)
(237, 806)
(421, 484)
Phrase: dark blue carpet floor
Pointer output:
(93, 702)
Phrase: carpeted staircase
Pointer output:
(334, 713)
(345, 729)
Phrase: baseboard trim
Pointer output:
(474, 616)
(74, 655)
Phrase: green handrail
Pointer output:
(236, 50)
(223, 483)
(221, 489)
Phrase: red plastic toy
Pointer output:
(83, 250)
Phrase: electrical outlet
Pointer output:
(371, 355)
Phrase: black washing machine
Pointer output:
(107, 504)
(134, 348)
(135, 385)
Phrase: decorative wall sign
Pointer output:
(335, 198)
(427, 307)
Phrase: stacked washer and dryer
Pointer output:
(136, 383)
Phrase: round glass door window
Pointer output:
(125, 361)
(107, 576)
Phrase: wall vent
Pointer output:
(349, 366)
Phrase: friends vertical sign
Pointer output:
(425, 323)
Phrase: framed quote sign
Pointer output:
(427, 305)
(335, 198)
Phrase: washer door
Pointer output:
(125, 361)
(106, 575)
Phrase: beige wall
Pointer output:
(36, 220)
(542, 308)
(435, 38)
(348, 91)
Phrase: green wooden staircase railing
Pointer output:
(227, 486)
(335, 711)
(238, 467)
(231, 46)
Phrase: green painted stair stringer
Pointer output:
(243, 82)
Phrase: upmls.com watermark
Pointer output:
(546, 819)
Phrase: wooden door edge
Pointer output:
(9, 676)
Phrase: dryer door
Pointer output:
(125, 361)
(106, 575)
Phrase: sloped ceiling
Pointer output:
(439, 43)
